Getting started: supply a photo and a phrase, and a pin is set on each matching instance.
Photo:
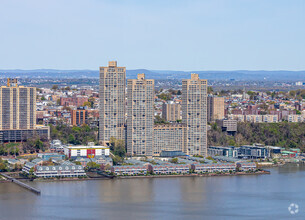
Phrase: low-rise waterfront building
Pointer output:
(64, 170)
(246, 166)
(229, 151)
(56, 145)
(102, 160)
(255, 151)
(212, 168)
(170, 169)
(129, 170)
(48, 156)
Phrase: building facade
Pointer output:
(194, 114)
(17, 135)
(216, 108)
(63, 170)
(18, 113)
(140, 117)
(79, 117)
(171, 111)
(112, 102)
(17, 106)
(169, 137)
(86, 151)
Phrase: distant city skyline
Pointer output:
(156, 35)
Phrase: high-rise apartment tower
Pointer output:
(171, 111)
(140, 117)
(216, 108)
(194, 114)
(17, 106)
(112, 102)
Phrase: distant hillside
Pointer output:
(162, 74)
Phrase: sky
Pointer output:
(181, 35)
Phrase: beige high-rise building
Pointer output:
(169, 137)
(140, 117)
(194, 114)
(17, 106)
(171, 111)
(112, 102)
(216, 108)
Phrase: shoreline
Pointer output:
(196, 175)
(150, 176)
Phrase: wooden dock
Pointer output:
(32, 189)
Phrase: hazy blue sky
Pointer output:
(156, 34)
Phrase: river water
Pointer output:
(234, 197)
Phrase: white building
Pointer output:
(294, 118)
(74, 151)
(63, 170)
(299, 83)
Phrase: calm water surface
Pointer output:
(237, 197)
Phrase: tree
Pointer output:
(292, 93)
(118, 147)
(92, 165)
(71, 139)
(159, 120)
(43, 98)
(31, 174)
(3, 150)
(55, 87)
(174, 160)
(264, 106)
(164, 96)
(3, 167)
(35, 144)
(273, 95)
(91, 100)
(75, 135)
(117, 160)
(87, 104)
(107, 167)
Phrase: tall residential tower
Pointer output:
(18, 113)
(216, 108)
(140, 117)
(171, 111)
(112, 102)
(194, 114)
(17, 106)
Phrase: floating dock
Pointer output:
(32, 189)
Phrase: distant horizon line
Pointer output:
(236, 70)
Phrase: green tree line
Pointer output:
(282, 134)
(73, 135)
